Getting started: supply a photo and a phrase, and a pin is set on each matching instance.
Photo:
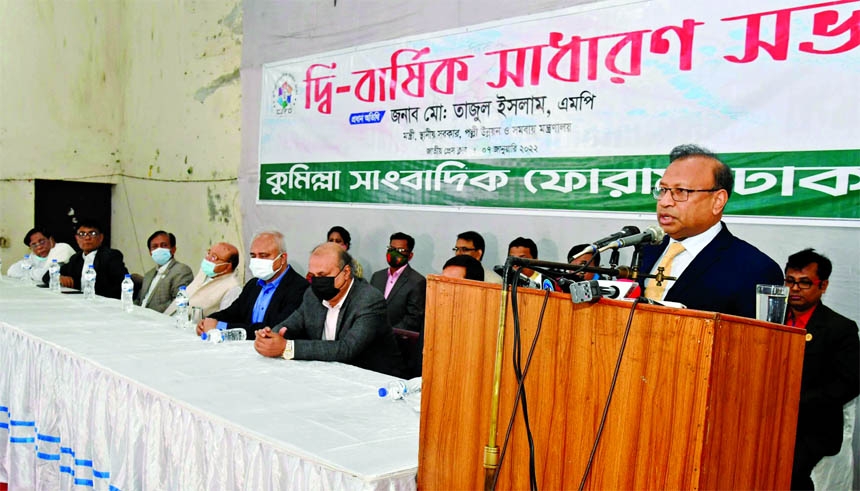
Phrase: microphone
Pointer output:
(549, 284)
(652, 235)
(592, 248)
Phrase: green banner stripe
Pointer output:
(813, 184)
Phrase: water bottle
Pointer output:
(400, 389)
(88, 283)
(218, 336)
(127, 293)
(182, 313)
(54, 274)
(27, 267)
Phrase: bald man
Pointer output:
(216, 284)
(341, 318)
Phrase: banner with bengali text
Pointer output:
(577, 110)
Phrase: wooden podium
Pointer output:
(703, 400)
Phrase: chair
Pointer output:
(411, 347)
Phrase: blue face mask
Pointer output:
(161, 256)
(208, 268)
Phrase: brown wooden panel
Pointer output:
(460, 332)
(754, 400)
(650, 436)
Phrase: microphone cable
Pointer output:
(609, 395)
(521, 391)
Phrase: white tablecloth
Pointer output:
(91, 396)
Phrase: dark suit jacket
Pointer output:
(405, 303)
(110, 271)
(285, 300)
(722, 278)
(176, 275)
(363, 337)
(405, 306)
(831, 378)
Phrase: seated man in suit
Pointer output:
(404, 290)
(216, 285)
(43, 250)
(526, 248)
(272, 295)
(341, 318)
(831, 364)
(108, 263)
(472, 244)
(716, 271)
(161, 283)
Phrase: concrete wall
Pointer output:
(142, 94)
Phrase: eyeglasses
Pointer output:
(38, 243)
(464, 249)
(92, 233)
(678, 194)
(401, 250)
(803, 284)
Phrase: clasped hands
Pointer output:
(270, 343)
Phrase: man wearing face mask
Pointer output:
(341, 318)
(271, 296)
(216, 285)
(161, 283)
(404, 290)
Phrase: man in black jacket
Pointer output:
(341, 319)
(405, 291)
(108, 263)
(270, 297)
(831, 364)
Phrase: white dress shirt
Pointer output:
(692, 247)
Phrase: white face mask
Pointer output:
(262, 268)
(161, 256)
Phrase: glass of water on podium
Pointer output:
(771, 302)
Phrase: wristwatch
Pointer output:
(289, 350)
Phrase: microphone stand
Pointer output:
(614, 258)
(552, 268)
(491, 450)
(636, 260)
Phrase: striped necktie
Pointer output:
(653, 291)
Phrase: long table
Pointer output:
(94, 397)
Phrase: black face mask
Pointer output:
(323, 287)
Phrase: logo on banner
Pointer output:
(285, 95)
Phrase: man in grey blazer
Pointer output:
(405, 292)
(341, 318)
(161, 283)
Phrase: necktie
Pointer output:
(653, 291)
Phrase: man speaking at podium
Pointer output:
(716, 271)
